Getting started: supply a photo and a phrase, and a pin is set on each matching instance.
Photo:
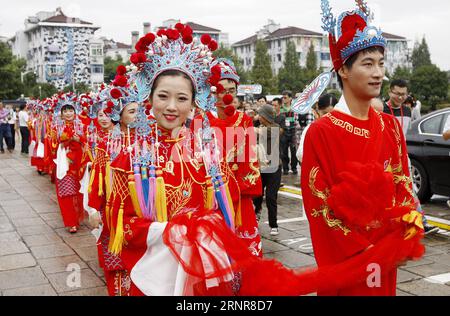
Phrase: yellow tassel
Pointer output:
(108, 180)
(236, 216)
(112, 235)
(161, 203)
(119, 235)
(209, 195)
(100, 184)
(91, 180)
(133, 194)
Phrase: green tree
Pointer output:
(430, 85)
(421, 55)
(402, 73)
(311, 64)
(110, 66)
(46, 91)
(224, 52)
(291, 75)
(80, 88)
(11, 68)
(262, 71)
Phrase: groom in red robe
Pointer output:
(355, 179)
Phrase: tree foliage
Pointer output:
(430, 85)
(291, 75)
(224, 52)
(421, 55)
(11, 69)
(262, 71)
(110, 66)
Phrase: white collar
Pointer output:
(343, 107)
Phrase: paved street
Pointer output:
(36, 250)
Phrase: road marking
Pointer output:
(291, 220)
(439, 279)
(293, 240)
(439, 222)
(293, 190)
(291, 195)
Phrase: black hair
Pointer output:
(67, 107)
(263, 97)
(399, 83)
(22, 107)
(278, 100)
(288, 93)
(352, 59)
(173, 73)
(326, 101)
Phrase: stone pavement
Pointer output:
(37, 252)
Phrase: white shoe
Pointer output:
(274, 232)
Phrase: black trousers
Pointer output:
(271, 185)
(289, 143)
(25, 133)
(12, 140)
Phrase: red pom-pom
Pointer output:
(220, 88)
(188, 39)
(110, 104)
(213, 46)
(230, 110)
(173, 34)
(150, 37)
(205, 39)
(142, 45)
(187, 31)
(179, 27)
(107, 111)
(216, 70)
(228, 99)
(116, 94)
(120, 81)
(161, 33)
(138, 58)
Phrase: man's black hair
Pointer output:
(399, 83)
(263, 97)
(352, 59)
(326, 100)
(278, 100)
(288, 93)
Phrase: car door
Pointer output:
(436, 153)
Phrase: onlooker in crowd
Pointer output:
(378, 104)
(324, 106)
(262, 101)
(268, 156)
(395, 106)
(416, 112)
(288, 139)
(5, 131)
(12, 127)
(24, 132)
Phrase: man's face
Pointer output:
(229, 88)
(261, 102)
(276, 106)
(365, 77)
(398, 95)
(287, 100)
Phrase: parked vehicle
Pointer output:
(430, 155)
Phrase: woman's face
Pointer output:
(128, 114)
(172, 101)
(104, 121)
(68, 115)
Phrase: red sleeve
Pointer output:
(332, 240)
(248, 173)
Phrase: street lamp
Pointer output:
(22, 74)
(40, 92)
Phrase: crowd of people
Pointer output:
(172, 174)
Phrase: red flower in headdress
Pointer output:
(121, 70)
(116, 94)
(120, 81)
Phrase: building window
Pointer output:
(279, 43)
(97, 69)
(279, 57)
(325, 56)
(96, 50)
(242, 49)
(299, 56)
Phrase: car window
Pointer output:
(446, 124)
(432, 125)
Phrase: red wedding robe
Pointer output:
(355, 180)
(237, 141)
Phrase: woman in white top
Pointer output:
(24, 132)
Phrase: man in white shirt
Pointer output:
(24, 132)
(12, 127)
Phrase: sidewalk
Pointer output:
(36, 249)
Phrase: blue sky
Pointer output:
(242, 18)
